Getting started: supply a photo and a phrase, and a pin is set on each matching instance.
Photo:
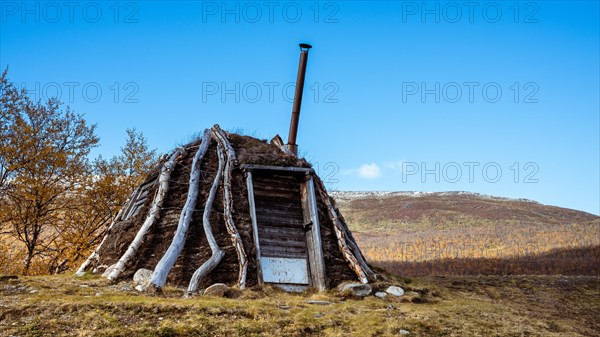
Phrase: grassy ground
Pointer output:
(442, 306)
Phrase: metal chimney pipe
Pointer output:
(291, 145)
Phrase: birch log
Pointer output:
(217, 253)
(163, 187)
(357, 252)
(95, 256)
(162, 269)
(349, 256)
(222, 139)
(236, 240)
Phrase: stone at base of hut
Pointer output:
(142, 277)
(108, 270)
(355, 289)
(217, 290)
(395, 291)
(381, 294)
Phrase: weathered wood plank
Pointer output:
(276, 194)
(250, 187)
(291, 201)
(266, 186)
(281, 248)
(317, 250)
(274, 213)
(279, 179)
(282, 242)
(308, 234)
(129, 204)
(271, 221)
(278, 234)
(285, 224)
(273, 185)
(283, 205)
(288, 252)
(249, 167)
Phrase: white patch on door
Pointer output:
(284, 270)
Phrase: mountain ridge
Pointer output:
(471, 232)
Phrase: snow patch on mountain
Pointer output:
(357, 195)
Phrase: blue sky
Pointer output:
(500, 98)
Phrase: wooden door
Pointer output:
(285, 226)
(281, 228)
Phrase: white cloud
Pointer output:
(369, 171)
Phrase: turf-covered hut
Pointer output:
(231, 209)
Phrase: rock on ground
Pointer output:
(356, 289)
(108, 270)
(381, 294)
(217, 289)
(395, 291)
(142, 276)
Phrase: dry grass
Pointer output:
(477, 306)
(469, 235)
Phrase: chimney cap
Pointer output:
(305, 46)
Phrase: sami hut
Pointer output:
(233, 209)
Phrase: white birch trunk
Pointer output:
(162, 269)
(217, 253)
(163, 187)
(236, 240)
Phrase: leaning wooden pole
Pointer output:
(95, 256)
(222, 138)
(162, 269)
(356, 250)
(217, 253)
(359, 267)
(163, 187)
(236, 240)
